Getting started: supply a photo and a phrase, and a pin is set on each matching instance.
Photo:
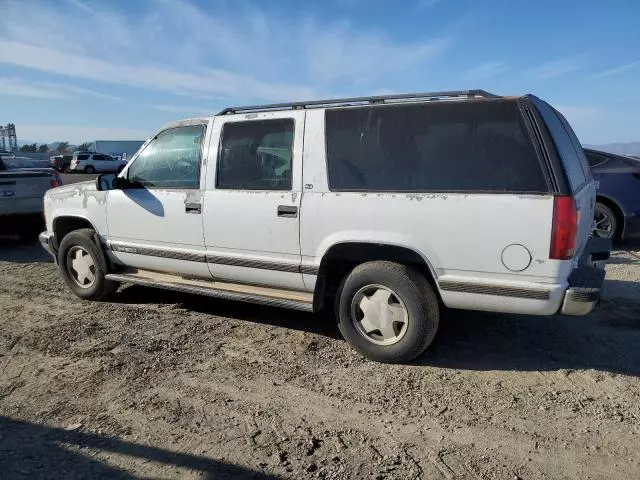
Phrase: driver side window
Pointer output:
(170, 160)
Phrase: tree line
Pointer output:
(63, 147)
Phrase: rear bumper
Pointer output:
(585, 282)
(48, 242)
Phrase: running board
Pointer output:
(228, 291)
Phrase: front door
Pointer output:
(157, 223)
(252, 202)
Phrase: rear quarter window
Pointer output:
(567, 146)
(82, 157)
(437, 146)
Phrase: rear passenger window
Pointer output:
(571, 155)
(437, 146)
(256, 155)
(98, 158)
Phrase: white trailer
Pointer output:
(123, 149)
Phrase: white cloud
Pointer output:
(486, 70)
(558, 67)
(77, 134)
(205, 81)
(335, 54)
(16, 87)
(184, 109)
(174, 48)
(617, 70)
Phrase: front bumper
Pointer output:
(585, 282)
(48, 242)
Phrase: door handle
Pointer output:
(193, 207)
(287, 211)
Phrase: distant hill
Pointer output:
(629, 148)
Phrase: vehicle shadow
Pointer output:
(14, 250)
(605, 340)
(321, 323)
(29, 451)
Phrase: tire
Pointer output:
(65, 168)
(404, 294)
(89, 169)
(95, 286)
(607, 220)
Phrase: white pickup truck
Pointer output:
(21, 198)
(386, 209)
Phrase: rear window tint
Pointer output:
(82, 157)
(438, 146)
(571, 156)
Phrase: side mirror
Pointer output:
(107, 181)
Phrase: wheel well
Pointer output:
(340, 259)
(617, 210)
(64, 225)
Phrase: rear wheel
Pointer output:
(65, 167)
(89, 169)
(606, 222)
(387, 311)
(83, 265)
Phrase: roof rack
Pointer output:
(380, 99)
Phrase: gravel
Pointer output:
(154, 384)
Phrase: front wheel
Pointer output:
(83, 265)
(606, 222)
(388, 312)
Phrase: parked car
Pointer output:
(61, 162)
(385, 209)
(91, 162)
(21, 194)
(617, 178)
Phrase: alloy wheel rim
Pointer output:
(379, 314)
(603, 224)
(81, 267)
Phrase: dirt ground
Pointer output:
(163, 385)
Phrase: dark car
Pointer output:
(617, 213)
(60, 162)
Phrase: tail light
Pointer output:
(564, 229)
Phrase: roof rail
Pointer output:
(380, 99)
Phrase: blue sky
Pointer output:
(80, 70)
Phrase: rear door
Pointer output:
(251, 208)
(576, 168)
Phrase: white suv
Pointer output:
(386, 209)
(89, 162)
